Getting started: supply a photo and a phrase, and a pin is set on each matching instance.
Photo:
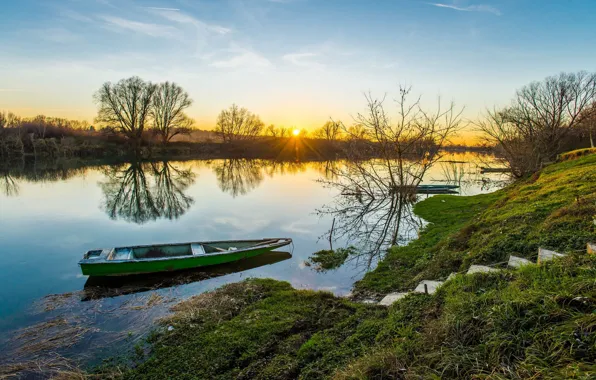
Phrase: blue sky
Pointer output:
(294, 62)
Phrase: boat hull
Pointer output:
(130, 267)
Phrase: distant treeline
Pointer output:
(139, 117)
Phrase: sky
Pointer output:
(295, 63)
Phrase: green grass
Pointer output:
(538, 322)
(553, 209)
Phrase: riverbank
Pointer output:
(511, 323)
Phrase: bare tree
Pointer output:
(284, 132)
(236, 124)
(530, 132)
(355, 132)
(272, 131)
(126, 105)
(330, 131)
(375, 195)
(168, 111)
(588, 122)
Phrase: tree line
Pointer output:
(544, 119)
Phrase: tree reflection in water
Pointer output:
(8, 185)
(238, 176)
(140, 192)
(370, 212)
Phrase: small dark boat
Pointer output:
(437, 187)
(171, 257)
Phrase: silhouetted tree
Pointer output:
(330, 131)
(168, 111)
(530, 132)
(126, 105)
(236, 124)
(355, 132)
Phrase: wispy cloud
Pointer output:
(305, 59)
(470, 8)
(149, 29)
(174, 15)
(164, 9)
(241, 58)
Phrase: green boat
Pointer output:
(141, 259)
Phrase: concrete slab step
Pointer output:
(431, 286)
(480, 269)
(390, 298)
(547, 255)
(453, 274)
(368, 302)
(517, 262)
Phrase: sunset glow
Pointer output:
(296, 132)
(302, 75)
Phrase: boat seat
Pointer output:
(120, 254)
(197, 249)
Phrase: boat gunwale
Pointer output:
(281, 242)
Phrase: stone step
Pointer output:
(390, 298)
(591, 248)
(547, 255)
(453, 274)
(480, 269)
(517, 262)
(368, 301)
(431, 286)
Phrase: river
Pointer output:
(51, 214)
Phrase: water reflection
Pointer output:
(468, 175)
(238, 176)
(13, 172)
(374, 206)
(140, 192)
(8, 185)
(373, 222)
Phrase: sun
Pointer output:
(296, 132)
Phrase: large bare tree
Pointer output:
(126, 105)
(531, 131)
(237, 123)
(168, 111)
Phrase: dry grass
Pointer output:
(574, 154)
(220, 305)
(49, 336)
(55, 367)
(149, 301)
(52, 302)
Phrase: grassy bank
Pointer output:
(552, 209)
(536, 322)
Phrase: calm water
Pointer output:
(49, 216)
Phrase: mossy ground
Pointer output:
(538, 322)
